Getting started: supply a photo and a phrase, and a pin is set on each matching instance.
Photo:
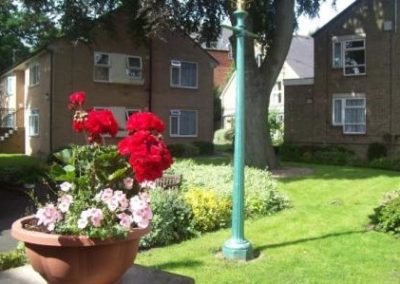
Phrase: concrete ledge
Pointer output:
(136, 274)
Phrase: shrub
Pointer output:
(19, 169)
(222, 137)
(205, 148)
(262, 196)
(13, 259)
(385, 164)
(386, 217)
(210, 211)
(290, 152)
(376, 151)
(172, 219)
(330, 155)
(183, 150)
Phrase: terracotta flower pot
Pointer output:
(78, 259)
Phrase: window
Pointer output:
(348, 52)
(33, 122)
(34, 74)
(10, 86)
(183, 123)
(337, 60)
(277, 95)
(102, 66)
(354, 57)
(134, 67)
(183, 74)
(350, 113)
(8, 120)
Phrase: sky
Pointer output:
(327, 12)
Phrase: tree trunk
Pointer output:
(259, 150)
(258, 147)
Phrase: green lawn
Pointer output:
(19, 168)
(322, 239)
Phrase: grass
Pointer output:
(18, 160)
(19, 168)
(322, 239)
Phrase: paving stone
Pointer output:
(136, 274)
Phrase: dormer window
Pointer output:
(348, 53)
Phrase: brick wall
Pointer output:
(380, 85)
(224, 67)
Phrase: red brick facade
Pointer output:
(224, 68)
(66, 67)
(309, 109)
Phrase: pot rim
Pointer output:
(40, 238)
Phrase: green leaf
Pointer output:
(117, 174)
(69, 168)
(64, 156)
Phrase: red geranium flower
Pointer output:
(149, 156)
(78, 125)
(144, 121)
(100, 122)
(77, 99)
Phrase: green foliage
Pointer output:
(205, 148)
(172, 219)
(329, 155)
(275, 127)
(13, 259)
(376, 151)
(223, 136)
(90, 169)
(21, 29)
(386, 217)
(19, 169)
(210, 211)
(183, 150)
(385, 164)
(262, 196)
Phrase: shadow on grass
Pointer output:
(305, 240)
(178, 264)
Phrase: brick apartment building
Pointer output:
(172, 77)
(354, 97)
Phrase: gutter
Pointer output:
(150, 103)
(51, 98)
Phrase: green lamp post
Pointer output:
(237, 247)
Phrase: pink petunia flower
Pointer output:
(128, 183)
(125, 220)
(64, 202)
(48, 216)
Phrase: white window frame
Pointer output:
(176, 113)
(32, 68)
(35, 115)
(128, 67)
(10, 79)
(342, 41)
(176, 62)
(344, 49)
(337, 41)
(343, 99)
(95, 64)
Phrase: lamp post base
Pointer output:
(237, 250)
